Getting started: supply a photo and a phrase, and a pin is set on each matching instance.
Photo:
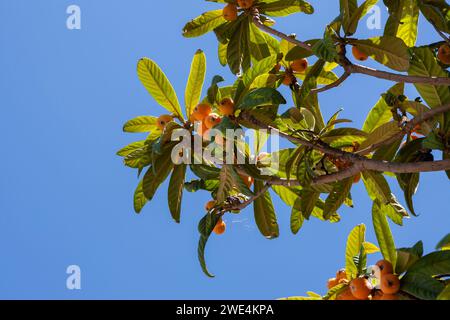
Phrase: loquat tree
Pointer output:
(314, 176)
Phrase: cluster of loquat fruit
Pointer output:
(296, 66)
(230, 11)
(203, 114)
(362, 288)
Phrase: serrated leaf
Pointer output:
(139, 198)
(205, 23)
(159, 87)
(141, 124)
(195, 82)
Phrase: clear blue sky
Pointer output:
(65, 198)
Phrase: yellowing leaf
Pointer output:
(355, 241)
(389, 51)
(195, 82)
(159, 87)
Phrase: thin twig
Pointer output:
(351, 68)
(335, 84)
(252, 199)
(407, 129)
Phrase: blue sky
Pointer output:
(65, 198)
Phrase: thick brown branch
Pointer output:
(360, 163)
(351, 68)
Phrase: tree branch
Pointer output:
(335, 84)
(359, 162)
(407, 128)
(252, 199)
(351, 68)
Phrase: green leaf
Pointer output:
(343, 136)
(357, 15)
(261, 97)
(297, 53)
(380, 134)
(141, 124)
(281, 8)
(157, 174)
(435, 263)
(214, 92)
(389, 51)
(403, 21)
(444, 243)
(259, 46)
(384, 234)
(337, 196)
(324, 78)
(222, 53)
(230, 184)
(325, 49)
(159, 87)
(205, 23)
(409, 182)
(377, 186)
(347, 9)
(445, 294)
(237, 51)
(175, 193)
(437, 12)
(131, 148)
(406, 257)
(205, 227)
(258, 69)
(265, 216)
(139, 198)
(355, 242)
(394, 210)
(421, 286)
(290, 197)
(195, 82)
(370, 248)
(424, 64)
(308, 202)
(297, 217)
